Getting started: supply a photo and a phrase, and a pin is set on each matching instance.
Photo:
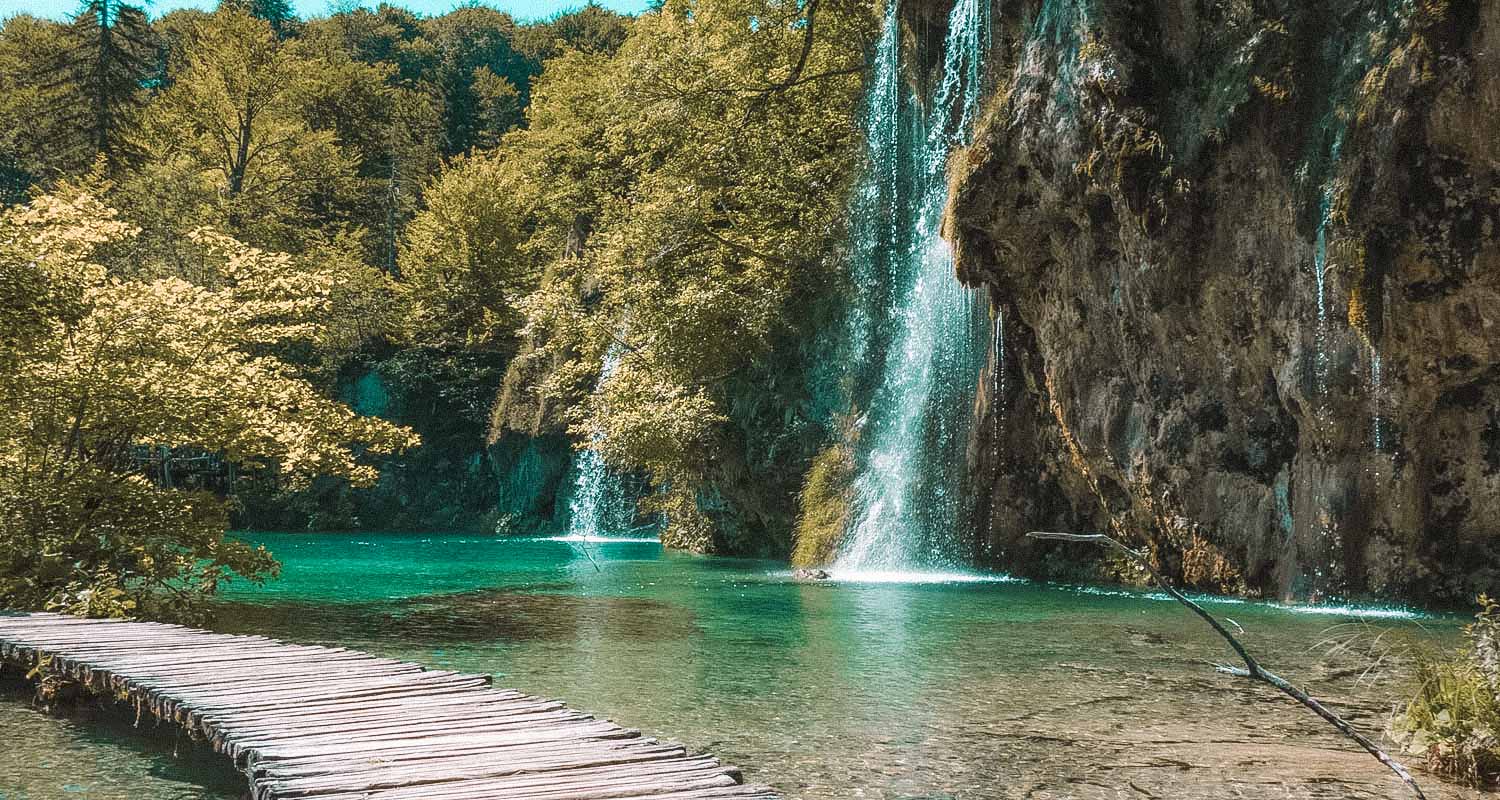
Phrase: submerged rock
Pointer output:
(1248, 264)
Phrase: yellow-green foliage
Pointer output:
(232, 134)
(700, 174)
(1411, 63)
(1277, 88)
(462, 263)
(109, 357)
(1454, 718)
(824, 506)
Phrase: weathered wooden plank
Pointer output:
(329, 723)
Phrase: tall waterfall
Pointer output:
(600, 508)
(925, 333)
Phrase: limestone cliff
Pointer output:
(1150, 200)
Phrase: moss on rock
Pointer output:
(824, 505)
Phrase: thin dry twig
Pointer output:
(1252, 669)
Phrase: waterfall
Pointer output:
(999, 362)
(873, 215)
(600, 508)
(1377, 390)
(1321, 360)
(926, 328)
(1320, 270)
(1326, 563)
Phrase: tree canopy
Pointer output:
(212, 214)
(110, 366)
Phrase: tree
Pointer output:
(705, 165)
(388, 132)
(103, 370)
(25, 43)
(80, 87)
(471, 51)
(463, 261)
(111, 60)
(591, 29)
(278, 13)
(233, 124)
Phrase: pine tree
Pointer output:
(70, 93)
(95, 85)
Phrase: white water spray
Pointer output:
(907, 507)
(599, 509)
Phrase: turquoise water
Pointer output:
(974, 689)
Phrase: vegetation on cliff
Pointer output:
(693, 187)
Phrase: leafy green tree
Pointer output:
(232, 131)
(463, 261)
(472, 51)
(278, 13)
(732, 123)
(103, 370)
(591, 29)
(25, 43)
(387, 35)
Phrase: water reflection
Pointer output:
(98, 753)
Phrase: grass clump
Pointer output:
(1454, 719)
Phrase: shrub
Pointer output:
(1454, 718)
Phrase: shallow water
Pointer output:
(854, 688)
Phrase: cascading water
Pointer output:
(599, 508)
(1377, 390)
(907, 504)
(998, 359)
(1327, 562)
(875, 211)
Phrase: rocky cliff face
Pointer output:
(1247, 256)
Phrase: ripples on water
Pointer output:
(868, 685)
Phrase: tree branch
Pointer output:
(1252, 669)
(809, 17)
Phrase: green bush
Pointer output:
(1453, 721)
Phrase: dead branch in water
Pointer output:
(1252, 669)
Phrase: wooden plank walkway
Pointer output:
(333, 724)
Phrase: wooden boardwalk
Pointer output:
(336, 724)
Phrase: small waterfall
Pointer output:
(907, 506)
(1321, 333)
(874, 211)
(1326, 562)
(1320, 269)
(600, 508)
(1377, 392)
(999, 362)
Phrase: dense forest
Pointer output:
(235, 240)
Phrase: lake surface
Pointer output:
(968, 687)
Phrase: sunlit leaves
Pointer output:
(107, 365)
(463, 261)
(234, 124)
(691, 191)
